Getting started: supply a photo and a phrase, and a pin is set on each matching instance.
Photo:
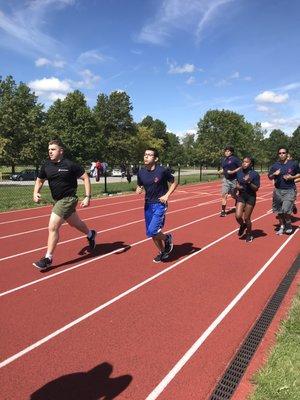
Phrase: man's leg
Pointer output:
(77, 223)
(159, 241)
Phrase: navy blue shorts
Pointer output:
(155, 214)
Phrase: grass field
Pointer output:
(279, 379)
(19, 196)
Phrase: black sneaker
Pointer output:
(223, 213)
(92, 240)
(168, 244)
(288, 228)
(242, 229)
(160, 257)
(249, 238)
(43, 264)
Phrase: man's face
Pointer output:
(149, 157)
(55, 152)
(282, 154)
(228, 153)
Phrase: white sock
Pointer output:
(48, 255)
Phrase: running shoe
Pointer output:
(160, 257)
(280, 230)
(92, 240)
(43, 264)
(249, 238)
(242, 229)
(288, 228)
(295, 209)
(223, 213)
(168, 244)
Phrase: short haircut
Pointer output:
(282, 148)
(250, 159)
(155, 151)
(57, 142)
(230, 148)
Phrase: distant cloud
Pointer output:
(286, 124)
(192, 16)
(41, 62)
(184, 69)
(234, 76)
(92, 57)
(290, 86)
(271, 97)
(191, 80)
(50, 84)
(89, 79)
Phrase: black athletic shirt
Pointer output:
(155, 182)
(62, 177)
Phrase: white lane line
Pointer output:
(194, 348)
(105, 230)
(113, 300)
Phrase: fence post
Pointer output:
(200, 172)
(105, 182)
(178, 174)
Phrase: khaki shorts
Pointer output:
(65, 207)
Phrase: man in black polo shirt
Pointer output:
(62, 175)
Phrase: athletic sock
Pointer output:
(48, 255)
(223, 208)
(90, 234)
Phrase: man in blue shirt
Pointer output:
(230, 166)
(154, 179)
(284, 172)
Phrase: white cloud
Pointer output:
(89, 79)
(191, 15)
(92, 57)
(290, 86)
(50, 85)
(41, 62)
(184, 69)
(271, 97)
(266, 109)
(235, 75)
(288, 125)
(191, 80)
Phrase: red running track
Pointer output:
(113, 323)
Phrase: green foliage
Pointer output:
(295, 144)
(276, 139)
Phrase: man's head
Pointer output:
(229, 150)
(150, 156)
(247, 162)
(282, 153)
(55, 150)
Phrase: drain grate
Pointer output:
(232, 376)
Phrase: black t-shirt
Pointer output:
(62, 177)
(155, 182)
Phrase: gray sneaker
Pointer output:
(280, 230)
(288, 228)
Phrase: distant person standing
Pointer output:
(230, 166)
(248, 182)
(284, 172)
(62, 175)
(155, 179)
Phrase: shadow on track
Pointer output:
(182, 250)
(99, 250)
(91, 385)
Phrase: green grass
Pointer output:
(279, 379)
(17, 196)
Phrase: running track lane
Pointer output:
(154, 298)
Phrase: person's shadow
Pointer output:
(100, 249)
(256, 233)
(181, 250)
(91, 385)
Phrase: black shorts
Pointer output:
(246, 198)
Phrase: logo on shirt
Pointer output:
(63, 170)
(289, 170)
(156, 179)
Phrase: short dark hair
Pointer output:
(57, 142)
(284, 148)
(155, 151)
(230, 148)
(250, 159)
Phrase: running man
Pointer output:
(62, 175)
(248, 182)
(284, 172)
(230, 166)
(154, 179)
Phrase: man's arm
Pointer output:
(165, 197)
(87, 186)
(37, 188)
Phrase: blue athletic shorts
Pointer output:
(155, 214)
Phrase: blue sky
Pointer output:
(176, 59)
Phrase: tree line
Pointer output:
(107, 132)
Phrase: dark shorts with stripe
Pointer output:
(246, 198)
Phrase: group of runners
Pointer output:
(240, 181)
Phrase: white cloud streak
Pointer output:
(271, 97)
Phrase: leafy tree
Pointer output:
(158, 127)
(21, 117)
(173, 154)
(190, 149)
(276, 139)
(73, 122)
(295, 144)
(144, 138)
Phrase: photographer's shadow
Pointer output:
(91, 385)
